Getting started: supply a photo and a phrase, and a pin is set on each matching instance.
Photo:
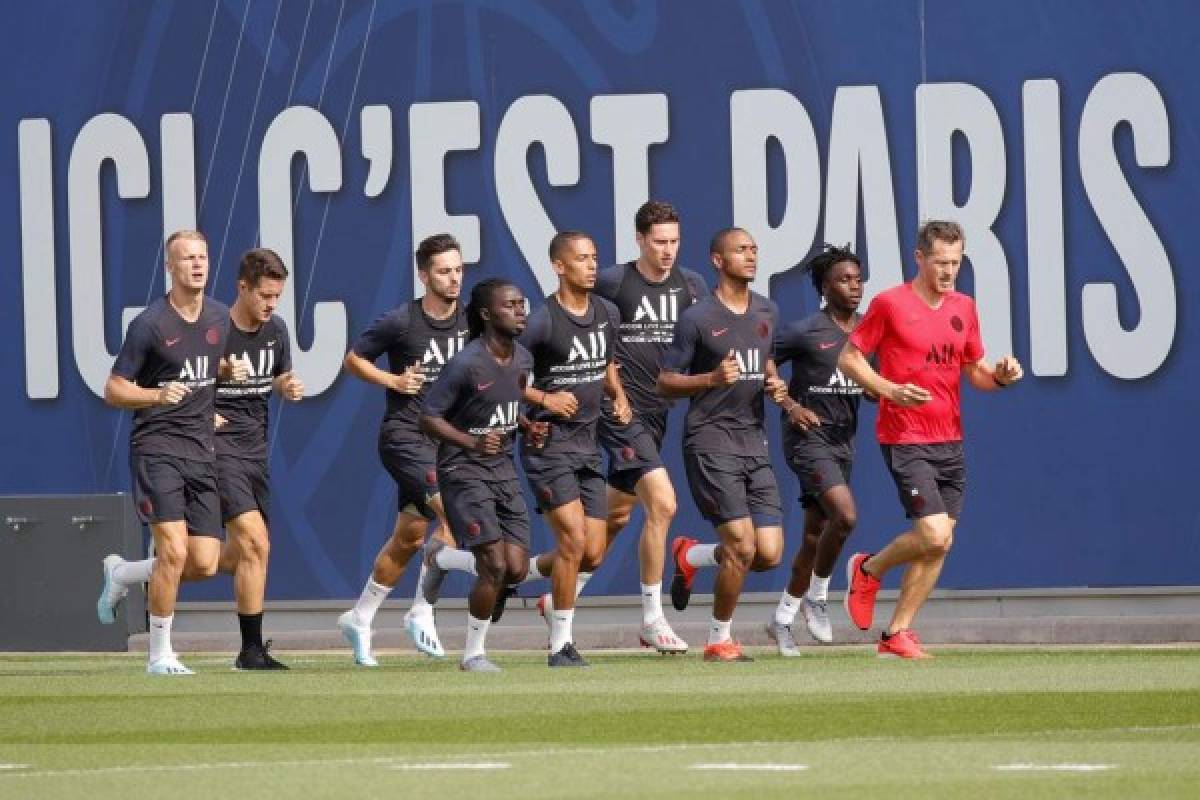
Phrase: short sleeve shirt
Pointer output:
(160, 347)
(924, 346)
(726, 419)
(243, 404)
(477, 394)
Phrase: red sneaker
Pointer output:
(685, 573)
(726, 651)
(901, 644)
(860, 592)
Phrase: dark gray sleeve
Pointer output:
(284, 363)
(537, 330)
(613, 315)
(445, 390)
(608, 281)
(789, 342)
(696, 285)
(678, 356)
(774, 323)
(131, 359)
(383, 333)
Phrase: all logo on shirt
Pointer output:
(945, 355)
(441, 351)
(261, 367)
(194, 370)
(594, 348)
(667, 311)
(505, 415)
(749, 363)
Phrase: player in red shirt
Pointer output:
(925, 335)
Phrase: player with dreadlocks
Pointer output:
(472, 411)
(820, 454)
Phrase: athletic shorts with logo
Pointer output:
(482, 512)
(415, 472)
(819, 468)
(169, 489)
(243, 485)
(728, 487)
(558, 480)
(930, 478)
(633, 449)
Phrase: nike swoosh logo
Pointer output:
(173, 342)
(483, 387)
(827, 345)
(719, 331)
(674, 291)
(602, 326)
(270, 344)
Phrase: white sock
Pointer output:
(461, 560)
(131, 573)
(651, 602)
(476, 632)
(818, 588)
(160, 637)
(581, 581)
(718, 631)
(534, 574)
(702, 555)
(785, 612)
(420, 606)
(372, 597)
(560, 628)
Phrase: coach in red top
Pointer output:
(924, 335)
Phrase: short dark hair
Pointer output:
(481, 297)
(718, 240)
(261, 263)
(561, 239)
(654, 212)
(943, 230)
(434, 246)
(819, 265)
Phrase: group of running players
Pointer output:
(588, 377)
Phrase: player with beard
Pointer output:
(419, 338)
(820, 446)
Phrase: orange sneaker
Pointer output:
(727, 651)
(901, 644)
(685, 573)
(860, 592)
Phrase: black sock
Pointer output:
(886, 636)
(251, 625)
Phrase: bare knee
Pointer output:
(739, 553)
(767, 556)
(936, 542)
(172, 556)
(662, 507)
(490, 567)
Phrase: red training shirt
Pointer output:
(923, 346)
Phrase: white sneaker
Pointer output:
(782, 636)
(478, 664)
(112, 592)
(659, 635)
(816, 616)
(424, 634)
(359, 637)
(168, 665)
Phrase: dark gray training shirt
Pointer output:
(160, 347)
(243, 404)
(727, 419)
(571, 354)
(476, 394)
(407, 334)
(813, 346)
(649, 313)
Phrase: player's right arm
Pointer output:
(854, 364)
(121, 389)
(123, 393)
(374, 342)
(675, 380)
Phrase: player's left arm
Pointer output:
(286, 382)
(616, 392)
(990, 378)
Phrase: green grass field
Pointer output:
(837, 722)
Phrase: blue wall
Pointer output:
(1079, 477)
